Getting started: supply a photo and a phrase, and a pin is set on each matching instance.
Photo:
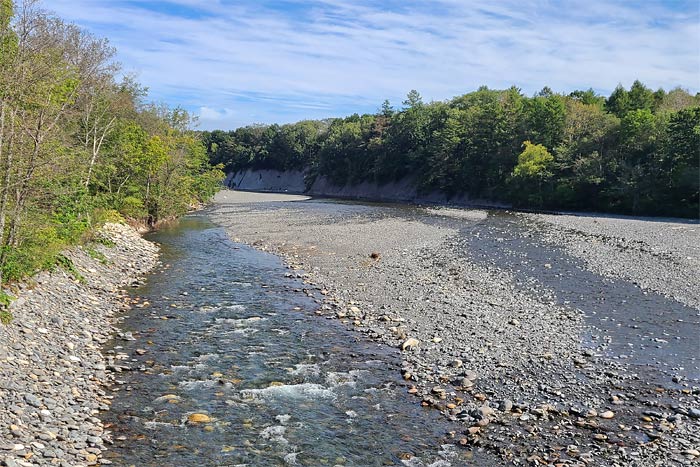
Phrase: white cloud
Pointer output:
(333, 57)
(207, 113)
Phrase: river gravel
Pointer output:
(52, 372)
(662, 255)
(495, 348)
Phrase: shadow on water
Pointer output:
(641, 328)
(225, 334)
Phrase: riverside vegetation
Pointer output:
(79, 145)
(634, 152)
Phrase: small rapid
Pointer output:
(229, 366)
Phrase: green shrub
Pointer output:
(36, 251)
(97, 255)
(65, 263)
(5, 315)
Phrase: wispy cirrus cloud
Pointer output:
(235, 63)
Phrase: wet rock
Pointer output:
(198, 418)
(505, 405)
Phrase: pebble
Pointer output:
(57, 382)
(198, 418)
(505, 405)
(410, 343)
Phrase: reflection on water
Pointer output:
(232, 368)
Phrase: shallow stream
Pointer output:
(222, 331)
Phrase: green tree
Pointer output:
(641, 97)
(533, 170)
(681, 161)
(545, 117)
(619, 102)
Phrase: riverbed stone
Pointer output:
(58, 328)
(410, 343)
(198, 418)
(440, 276)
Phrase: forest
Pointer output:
(80, 144)
(634, 152)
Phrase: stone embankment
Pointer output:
(52, 371)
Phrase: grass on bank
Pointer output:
(44, 239)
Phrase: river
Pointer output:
(223, 331)
(227, 334)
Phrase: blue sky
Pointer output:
(239, 62)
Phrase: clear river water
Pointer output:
(223, 331)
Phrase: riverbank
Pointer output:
(486, 338)
(52, 371)
(294, 182)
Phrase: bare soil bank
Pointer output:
(294, 182)
(490, 338)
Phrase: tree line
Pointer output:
(635, 152)
(79, 144)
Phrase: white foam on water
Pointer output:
(207, 356)
(275, 433)
(303, 391)
(284, 418)
(245, 331)
(417, 462)
(447, 451)
(241, 284)
(192, 385)
(233, 403)
(291, 458)
(305, 369)
(208, 309)
(239, 322)
(151, 425)
(440, 463)
(236, 307)
(351, 416)
(335, 379)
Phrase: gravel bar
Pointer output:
(486, 335)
